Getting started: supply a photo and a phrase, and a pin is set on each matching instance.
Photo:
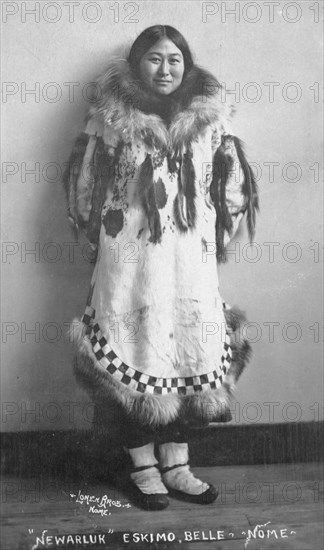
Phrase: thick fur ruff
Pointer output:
(154, 410)
(170, 122)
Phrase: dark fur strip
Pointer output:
(249, 188)
(172, 165)
(222, 165)
(149, 199)
(179, 207)
(188, 177)
(71, 174)
(184, 208)
(104, 174)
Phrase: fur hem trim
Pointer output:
(241, 348)
(147, 409)
(154, 410)
(215, 405)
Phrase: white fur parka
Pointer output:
(159, 185)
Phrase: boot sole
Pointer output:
(148, 502)
(208, 497)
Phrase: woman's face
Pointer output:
(162, 67)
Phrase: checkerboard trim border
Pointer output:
(144, 383)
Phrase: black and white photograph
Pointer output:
(162, 275)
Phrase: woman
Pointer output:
(154, 174)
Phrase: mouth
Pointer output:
(159, 81)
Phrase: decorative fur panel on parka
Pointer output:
(125, 111)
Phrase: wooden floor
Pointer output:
(259, 507)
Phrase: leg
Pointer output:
(176, 474)
(150, 492)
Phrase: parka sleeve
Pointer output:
(88, 174)
(233, 191)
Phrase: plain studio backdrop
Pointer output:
(269, 58)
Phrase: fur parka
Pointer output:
(164, 180)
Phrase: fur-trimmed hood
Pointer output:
(169, 122)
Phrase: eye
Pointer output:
(174, 61)
(155, 59)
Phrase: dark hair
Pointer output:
(151, 36)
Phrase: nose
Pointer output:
(164, 68)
